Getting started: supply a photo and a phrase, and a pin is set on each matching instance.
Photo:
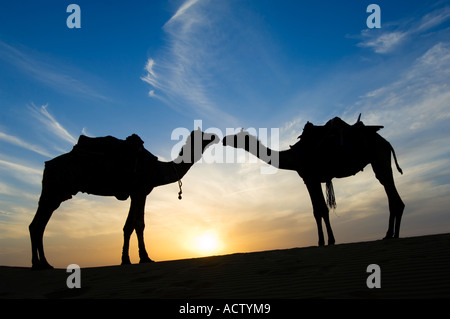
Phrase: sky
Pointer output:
(155, 67)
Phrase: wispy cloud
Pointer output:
(179, 75)
(384, 42)
(183, 8)
(433, 19)
(419, 96)
(54, 74)
(23, 172)
(151, 77)
(51, 124)
(390, 36)
(13, 166)
(21, 143)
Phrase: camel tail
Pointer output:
(331, 199)
(395, 159)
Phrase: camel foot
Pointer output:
(126, 260)
(145, 260)
(391, 237)
(41, 266)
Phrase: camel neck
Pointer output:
(180, 168)
(279, 159)
(171, 172)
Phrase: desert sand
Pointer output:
(414, 267)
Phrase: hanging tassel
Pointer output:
(179, 182)
(180, 192)
(331, 200)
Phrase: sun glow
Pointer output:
(207, 243)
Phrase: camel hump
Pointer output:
(109, 145)
(339, 124)
(336, 135)
(97, 144)
(336, 124)
(135, 141)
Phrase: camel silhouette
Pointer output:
(336, 149)
(107, 166)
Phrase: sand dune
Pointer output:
(415, 267)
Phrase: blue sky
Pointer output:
(149, 67)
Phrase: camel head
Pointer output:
(243, 140)
(196, 143)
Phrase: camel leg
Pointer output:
(135, 221)
(320, 211)
(127, 231)
(396, 205)
(45, 210)
(326, 219)
(139, 227)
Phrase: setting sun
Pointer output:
(207, 243)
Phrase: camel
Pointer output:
(336, 149)
(107, 166)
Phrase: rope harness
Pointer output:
(180, 192)
(179, 182)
